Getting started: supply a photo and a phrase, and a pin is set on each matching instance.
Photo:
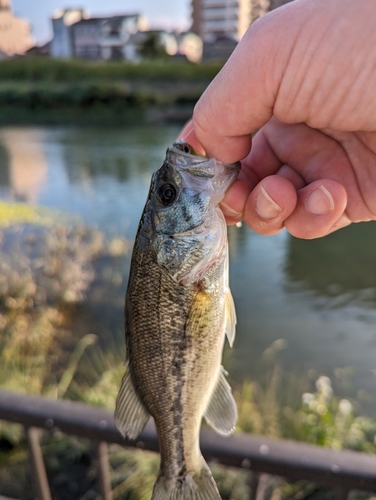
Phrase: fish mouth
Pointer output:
(181, 147)
(183, 156)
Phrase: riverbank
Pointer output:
(45, 91)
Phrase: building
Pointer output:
(15, 33)
(123, 37)
(75, 34)
(104, 37)
(219, 50)
(86, 38)
(227, 19)
(62, 42)
(261, 7)
(218, 18)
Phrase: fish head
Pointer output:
(187, 188)
(188, 226)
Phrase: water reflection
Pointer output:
(4, 166)
(342, 263)
(23, 164)
(112, 153)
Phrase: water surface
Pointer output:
(313, 301)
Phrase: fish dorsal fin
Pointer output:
(230, 318)
(131, 415)
(221, 413)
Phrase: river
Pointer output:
(309, 306)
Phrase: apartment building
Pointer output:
(216, 19)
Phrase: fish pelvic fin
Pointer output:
(221, 413)
(131, 415)
(200, 486)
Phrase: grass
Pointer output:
(92, 103)
(44, 90)
(57, 70)
(17, 213)
(320, 417)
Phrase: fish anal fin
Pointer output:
(221, 413)
(131, 415)
(230, 324)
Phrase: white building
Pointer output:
(62, 43)
(116, 32)
(15, 35)
(76, 34)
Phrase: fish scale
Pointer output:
(178, 308)
(163, 341)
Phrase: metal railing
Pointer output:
(342, 471)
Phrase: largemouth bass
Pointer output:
(178, 309)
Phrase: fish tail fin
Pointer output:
(200, 486)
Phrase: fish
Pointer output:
(178, 310)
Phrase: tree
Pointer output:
(152, 47)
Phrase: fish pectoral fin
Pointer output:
(221, 413)
(131, 415)
(230, 318)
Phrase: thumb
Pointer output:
(241, 97)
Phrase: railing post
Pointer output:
(254, 484)
(341, 493)
(104, 480)
(38, 470)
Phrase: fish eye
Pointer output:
(167, 194)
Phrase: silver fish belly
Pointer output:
(178, 310)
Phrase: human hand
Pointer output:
(305, 76)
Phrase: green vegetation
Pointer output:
(319, 418)
(56, 70)
(54, 91)
(152, 48)
(16, 213)
(96, 102)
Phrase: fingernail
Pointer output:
(230, 212)
(266, 207)
(319, 202)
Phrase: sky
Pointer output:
(159, 13)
